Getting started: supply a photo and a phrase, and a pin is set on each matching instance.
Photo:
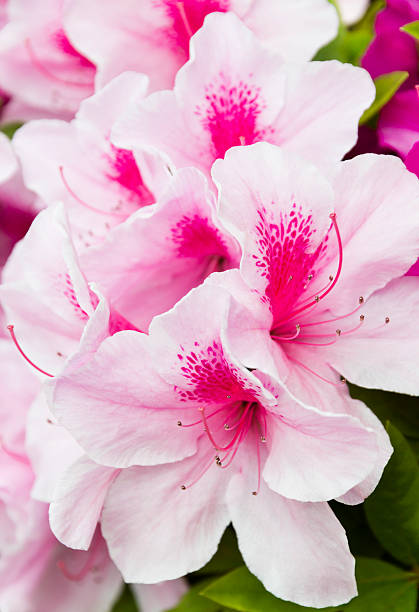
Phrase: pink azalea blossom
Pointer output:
(75, 163)
(398, 126)
(146, 264)
(47, 301)
(153, 36)
(249, 364)
(392, 49)
(235, 91)
(345, 276)
(39, 66)
(38, 573)
(252, 421)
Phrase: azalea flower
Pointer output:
(39, 66)
(75, 163)
(36, 570)
(243, 376)
(180, 394)
(153, 37)
(235, 91)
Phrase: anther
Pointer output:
(387, 320)
(361, 300)
(290, 277)
(361, 317)
(226, 426)
(338, 332)
(228, 396)
(254, 492)
(310, 276)
(317, 298)
(262, 439)
(342, 380)
(183, 487)
(179, 423)
(331, 277)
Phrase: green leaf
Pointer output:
(348, 46)
(386, 86)
(412, 28)
(361, 539)
(401, 410)
(10, 128)
(382, 587)
(393, 509)
(126, 603)
(192, 601)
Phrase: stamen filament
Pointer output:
(12, 333)
(85, 204)
(330, 382)
(181, 8)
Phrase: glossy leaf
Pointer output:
(382, 587)
(401, 410)
(393, 509)
(193, 601)
(386, 86)
(126, 603)
(10, 128)
(412, 29)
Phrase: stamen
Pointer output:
(180, 424)
(329, 382)
(339, 270)
(16, 456)
(259, 470)
(181, 8)
(198, 478)
(288, 338)
(85, 204)
(339, 318)
(88, 566)
(12, 333)
(50, 75)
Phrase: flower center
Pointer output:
(297, 327)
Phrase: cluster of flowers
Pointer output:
(202, 276)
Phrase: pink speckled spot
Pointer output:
(196, 234)
(125, 171)
(65, 45)
(231, 113)
(286, 258)
(209, 374)
(187, 17)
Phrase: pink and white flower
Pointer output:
(242, 375)
(235, 91)
(153, 36)
(322, 256)
(39, 66)
(75, 163)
